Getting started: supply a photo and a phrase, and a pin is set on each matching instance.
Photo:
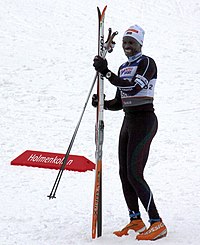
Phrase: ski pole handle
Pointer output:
(109, 44)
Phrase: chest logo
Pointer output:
(128, 71)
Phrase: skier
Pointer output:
(135, 84)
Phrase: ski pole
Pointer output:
(62, 168)
(58, 178)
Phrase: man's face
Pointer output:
(130, 46)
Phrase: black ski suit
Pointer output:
(135, 90)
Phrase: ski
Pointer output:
(99, 127)
(99, 130)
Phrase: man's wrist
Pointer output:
(104, 72)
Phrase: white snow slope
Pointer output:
(46, 71)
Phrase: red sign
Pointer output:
(52, 160)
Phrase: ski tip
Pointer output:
(103, 12)
(105, 8)
(101, 15)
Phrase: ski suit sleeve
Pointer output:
(114, 104)
(144, 73)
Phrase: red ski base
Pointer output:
(53, 161)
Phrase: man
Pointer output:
(135, 84)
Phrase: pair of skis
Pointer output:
(103, 48)
(99, 127)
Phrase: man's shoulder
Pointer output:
(146, 57)
(147, 60)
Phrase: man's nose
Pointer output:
(126, 45)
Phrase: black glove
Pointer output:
(100, 64)
(95, 100)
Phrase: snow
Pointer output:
(46, 72)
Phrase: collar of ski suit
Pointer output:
(134, 57)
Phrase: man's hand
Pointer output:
(100, 64)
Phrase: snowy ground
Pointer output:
(47, 47)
